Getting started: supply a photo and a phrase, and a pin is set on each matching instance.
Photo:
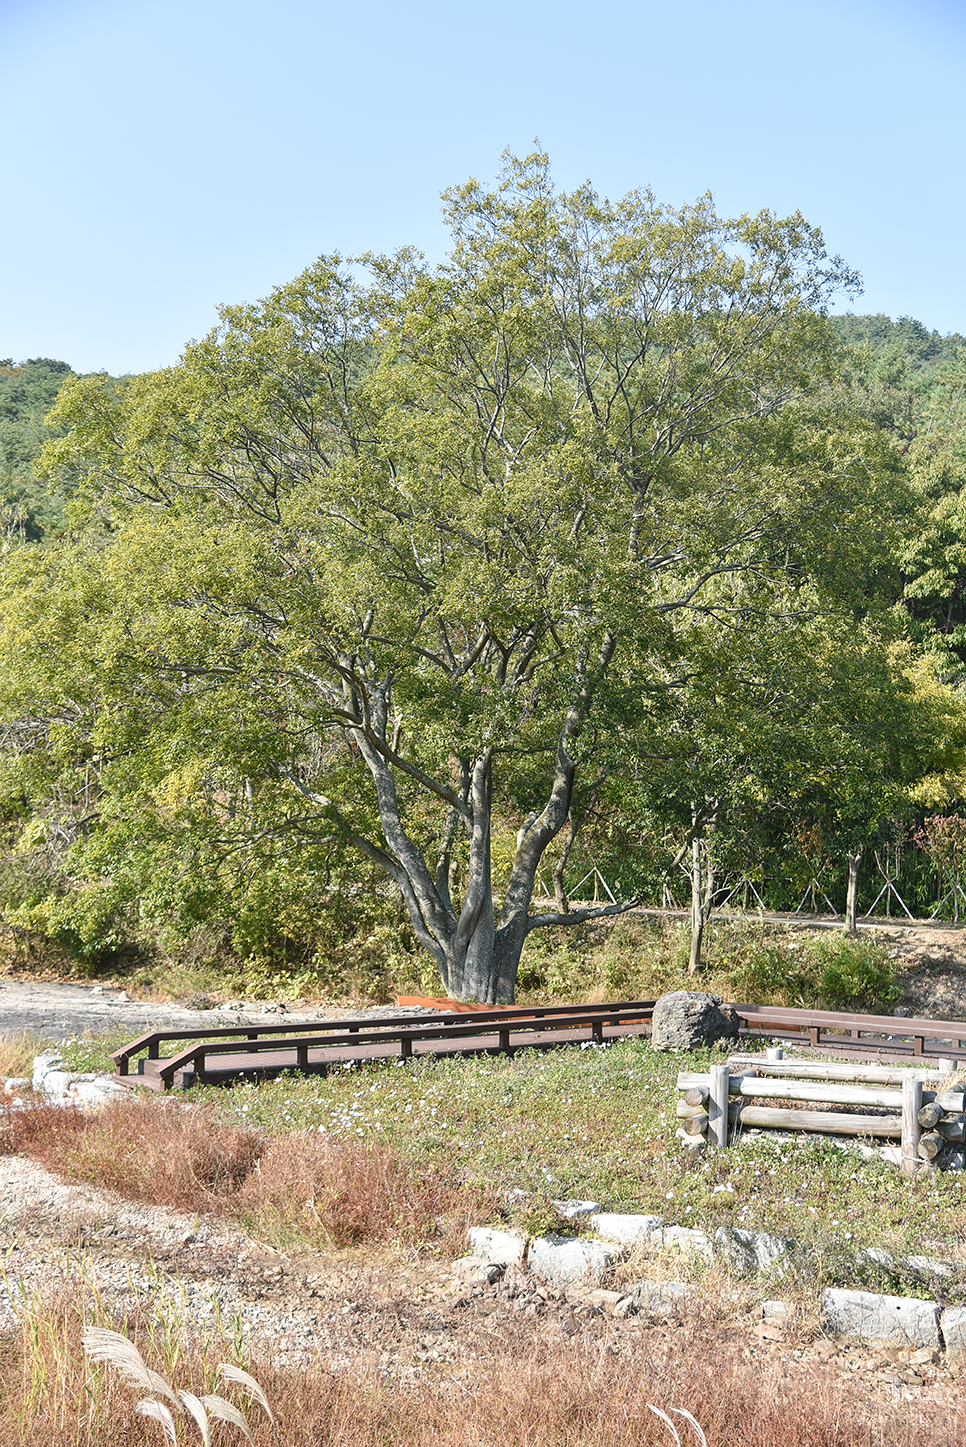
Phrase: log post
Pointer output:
(911, 1129)
(718, 1104)
(852, 893)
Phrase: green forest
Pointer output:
(423, 608)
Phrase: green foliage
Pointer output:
(824, 971)
(339, 585)
(29, 510)
(906, 336)
(405, 569)
(856, 974)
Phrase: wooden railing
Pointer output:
(499, 1028)
(925, 1115)
(830, 1029)
(255, 1040)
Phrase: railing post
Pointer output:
(718, 1104)
(911, 1129)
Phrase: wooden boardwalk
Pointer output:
(259, 1052)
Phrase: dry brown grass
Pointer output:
(526, 1392)
(297, 1188)
(17, 1054)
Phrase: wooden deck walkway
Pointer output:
(259, 1052)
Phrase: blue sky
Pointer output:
(166, 155)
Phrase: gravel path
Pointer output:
(354, 1308)
(61, 1011)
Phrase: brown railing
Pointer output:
(255, 1040)
(317, 1045)
(834, 1030)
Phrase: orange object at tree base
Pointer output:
(456, 1007)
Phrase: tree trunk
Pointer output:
(697, 907)
(576, 821)
(477, 953)
(852, 893)
(703, 817)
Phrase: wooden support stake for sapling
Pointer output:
(718, 1104)
(911, 1129)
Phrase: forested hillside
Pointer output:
(414, 598)
(29, 509)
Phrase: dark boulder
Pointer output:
(690, 1020)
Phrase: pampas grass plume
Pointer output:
(248, 1384)
(224, 1411)
(158, 1412)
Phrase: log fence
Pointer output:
(923, 1110)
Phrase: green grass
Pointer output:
(600, 1124)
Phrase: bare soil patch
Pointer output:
(373, 1309)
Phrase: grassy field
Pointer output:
(399, 1159)
(502, 1139)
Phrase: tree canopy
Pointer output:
(403, 546)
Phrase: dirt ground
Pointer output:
(932, 966)
(386, 1313)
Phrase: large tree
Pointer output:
(416, 544)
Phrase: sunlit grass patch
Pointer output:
(600, 1124)
(518, 1133)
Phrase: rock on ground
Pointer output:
(690, 1020)
(509, 1248)
(898, 1319)
(562, 1260)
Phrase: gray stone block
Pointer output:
(750, 1252)
(688, 1242)
(952, 1324)
(508, 1247)
(901, 1320)
(614, 1226)
(691, 1020)
(657, 1298)
(43, 1065)
(571, 1210)
(565, 1260)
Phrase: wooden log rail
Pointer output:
(486, 1030)
(926, 1117)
